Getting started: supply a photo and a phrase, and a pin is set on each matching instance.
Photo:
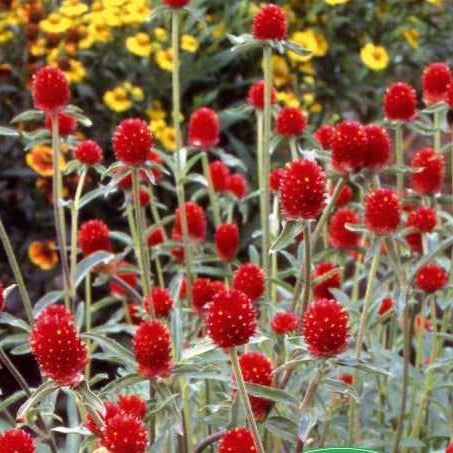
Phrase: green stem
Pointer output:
(437, 132)
(88, 301)
(274, 267)
(399, 152)
(152, 419)
(261, 181)
(187, 421)
(293, 148)
(307, 273)
(212, 194)
(311, 389)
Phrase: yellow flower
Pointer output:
(310, 40)
(135, 12)
(436, 2)
(374, 57)
(189, 43)
(219, 30)
(76, 71)
(43, 254)
(281, 72)
(40, 159)
(160, 34)
(411, 36)
(155, 111)
(55, 23)
(73, 8)
(157, 126)
(113, 17)
(288, 99)
(5, 34)
(139, 45)
(113, 3)
(168, 138)
(117, 99)
(336, 2)
(164, 59)
(137, 93)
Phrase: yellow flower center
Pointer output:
(142, 39)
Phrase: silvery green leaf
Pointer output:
(8, 132)
(296, 48)
(306, 423)
(28, 115)
(88, 263)
(290, 230)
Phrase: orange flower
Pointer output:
(40, 160)
(43, 254)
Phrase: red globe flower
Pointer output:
(325, 328)
(255, 96)
(135, 313)
(162, 302)
(67, 124)
(382, 211)
(88, 152)
(290, 122)
(156, 158)
(322, 290)
(377, 154)
(347, 378)
(275, 179)
(284, 322)
(449, 448)
(132, 405)
(94, 236)
(16, 441)
(227, 240)
(111, 409)
(196, 223)
(237, 185)
(176, 4)
(204, 128)
(127, 276)
(50, 89)
(125, 183)
(237, 440)
(249, 279)
(431, 278)
(156, 237)
(349, 146)
(203, 291)
(152, 349)
(448, 96)
(144, 197)
(435, 80)
(219, 173)
(431, 170)
(302, 190)
(400, 102)
(423, 219)
(178, 254)
(132, 141)
(324, 136)
(270, 23)
(125, 433)
(387, 304)
(345, 196)
(339, 236)
(231, 319)
(57, 347)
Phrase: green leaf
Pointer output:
(296, 48)
(112, 346)
(10, 400)
(8, 319)
(91, 261)
(8, 132)
(283, 427)
(46, 300)
(362, 365)
(90, 399)
(28, 115)
(271, 393)
(127, 380)
(306, 423)
(74, 430)
(21, 349)
(176, 333)
(36, 397)
(435, 108)
(290, 230)
(93, 194)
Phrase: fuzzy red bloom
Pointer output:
(449, 448)
(284, 322)
(132, 405)
(88, 152)
(249, 279)
(219, 173)
(16, 441)
(448, 98)
(429, 179)
(57, 347)
(67, 124)
(50, 89)
(155, 157)
(204, 128)
(226, 239)
(382, 211)
(270, 23)
(111, 409)
(231, 319)
(431, 278)
(178, 254)
(339, 236)
(237, 440)
(378, 147)
(126, 276)
(275, 179)
(425, 220)
(203, 291)
(237, 185)
(256, 368)
(176, 4)
(144, 196)
(302, 190)
(400, 102)
(344, 197)
(255, 96)
(94, 236)
(152, 349)
(348, 379)
(162, 302)
(125, 433)
(132, 141)
(435, 80)
(322, 290)
(387, 304)
(2, 297)
(156, 237)
(325, 328)
(349, 145)
(196, 223)
(324, 136)
(290, 122)
(125, 183)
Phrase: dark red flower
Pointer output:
(256, 95)
(448, 98)
(144, 197)
(290, 122)
(435, 79)
(237, 185)
(231, 319)
(155, 157)
(377, 154)
(423, 219)
(203, 291)
(111, 409)
(344, 197)
(88, 152)
(178, 254)
(387, 304)
(348, 379)
(226, 239)
(324, 136)
(284, 322)
(431, 166)
(302, 190)
(339, 236)
(237, 440)
(156, 237)
(196, 223)
(132, 142)
(275, 179)
(400, 102)
(152, 349)
(204, 128)
(431, 278)
(125, 433)
(176, 4)
(322, 290)
(449, 448)
(270, 23)
(325, 328)
(125, 183)
(219, 173)
(128, 276)
(420, 322)
(135, 313)
(57, 347)
(132, 405)
(94, 236)
(16, 441)
(67, 124)
(382, 211)
(349, 145)
(162, 302)
(249, 279)
(50, 89)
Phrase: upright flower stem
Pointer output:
(261, 181)
(157, 221)
(212, 194)
(300, 308)
(274, 265)
(88, 301)
(293, 148)
(245, 399)
(19, 279)
(437, 132)
(399, 152)
(311, 389)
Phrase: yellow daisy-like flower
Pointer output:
(336, 2)
(113, 3)
(281, 71)
(76, 72)
(155, 111)
(137, 93)
(113, 17)
(411, 36)
(136, 13)
(219, 31)
(164, 59)
(73, 8)
(435, 2)
(307, 68)
(139, 45)
(288, 99)
(189, 43)
(157, 126)
(55, 23)
(6, 35)
(117, 99)
(40, 159)
(43, 254)
(168, 138)
(374, 57)
(160, 34)
(310, 40)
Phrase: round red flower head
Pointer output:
(132, 141)
(88, 152)
(16, 441)
(435, 80)
(204, 128)
(196, 223)
(291, 122)
(50, 89)
(284, 322)
(256, 368)
(324, 136)
(111, 409)
(255, 96)
(219, 173)
(345, 196)
(377, 154)
(94, 236)
(449, 448)
(57, 347)
(431, 278)
(387, 304)
(127, 276)
(275, 178)
(325, 328)
(400, 102)
(231, 319)
(203, 291)
(302, 190)
(152, 349)
(237, 185)
(270, 23)
(431, 171)
(382, 211)
(339, 236)
(424, 219)
(322, 290)
(237, 440)
(349, 145)
(124, 433)
(448, 96)
(249, 279)
(132, 405)
(226, 239)
(156, 237)
(67, 124)
(176, 4)
(162, 302)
